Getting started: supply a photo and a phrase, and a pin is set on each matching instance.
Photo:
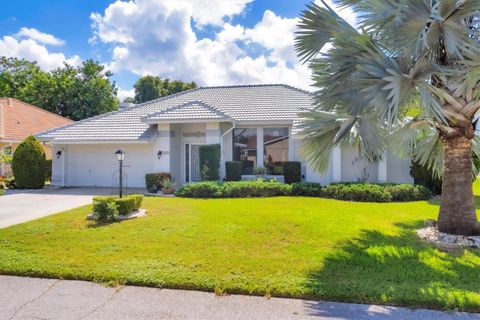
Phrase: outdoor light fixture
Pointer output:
(59, 153)
(159, 154)
(120, 156)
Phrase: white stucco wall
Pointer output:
(96, 165)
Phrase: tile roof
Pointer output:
(193, 110)
(247, 103)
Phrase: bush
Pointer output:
(48, 170)
(104, 209)
(9, 183)
(234, 189)
(138, 200)
(125, 205)
(423, 176)
(292, 171)
(408, 192)
(153, 181)
(361, 192)
(29, 165)
(2, 192)
(307, 189)
(210, 162)
(233, 170)
(205, 189)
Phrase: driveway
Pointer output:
(30, 298)
(19, 206)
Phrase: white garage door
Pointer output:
(97, 165)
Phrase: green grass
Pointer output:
(292, 247)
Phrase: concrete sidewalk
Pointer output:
(31, 298)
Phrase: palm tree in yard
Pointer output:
(402, 53)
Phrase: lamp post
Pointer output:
(120, 156)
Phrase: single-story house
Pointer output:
(254, 124)
(19, 120)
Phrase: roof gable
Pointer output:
(190, 111)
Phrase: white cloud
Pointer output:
(30, 49)
(122, 94)
(39, 37)
(346, 13)
(156, 37)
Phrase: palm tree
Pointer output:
(402, 52)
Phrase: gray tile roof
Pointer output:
(249, 103)
(193, 110)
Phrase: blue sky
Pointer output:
(213, 42)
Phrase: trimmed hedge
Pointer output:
(233, 170)
(104, 209)
(124, 205)
(360, 192)
(234, 189)
(29, 165)
(210, 162)
(153, 181)
(363, 192)
(292, 171)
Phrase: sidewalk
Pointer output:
(32, 298)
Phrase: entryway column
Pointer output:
(260, 147)
(382, 169)
(161, 163)
(336, 164)
(212, 133)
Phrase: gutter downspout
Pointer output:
(222, 164)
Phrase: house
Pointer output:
(19, 120)
(254, 124)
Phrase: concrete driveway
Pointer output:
(19, 206)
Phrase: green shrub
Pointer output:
(210, 162)
(29, 165)
(292, 171)
(125, 205)
(205, 189)
(307, 189)
(255, 188)
(2, 192)
(233, 170)
(234, 189)
(138, 200)
(408, 192)
(104, 209)
(153, 181)
(361, 192)
(423, 176)
(48, 170)
(9, 183)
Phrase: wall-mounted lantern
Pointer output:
(59, 154)
(159, 154)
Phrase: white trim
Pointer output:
(199, 120)
(97, 141)
(260, 148)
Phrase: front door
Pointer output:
(192, 163)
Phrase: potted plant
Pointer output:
(167, 186)
(260, 172)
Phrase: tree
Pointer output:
(73, 92)
(401, 50)
(29, 164)
(148, 88)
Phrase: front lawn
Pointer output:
(287, 246)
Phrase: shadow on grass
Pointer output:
(436, 202)
(397, 269)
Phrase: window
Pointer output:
(275, 149)
(245, 148)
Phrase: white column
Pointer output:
(162, 143)
(260, 147)
(382, 169)
(336, 164)
(212, 133)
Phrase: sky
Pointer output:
(211, 42)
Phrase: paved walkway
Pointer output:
(31, 298)
(19, 206)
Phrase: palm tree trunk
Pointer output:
(457, 210)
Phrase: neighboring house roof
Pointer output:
(19, 120)
(187, 112)
(241, 104)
